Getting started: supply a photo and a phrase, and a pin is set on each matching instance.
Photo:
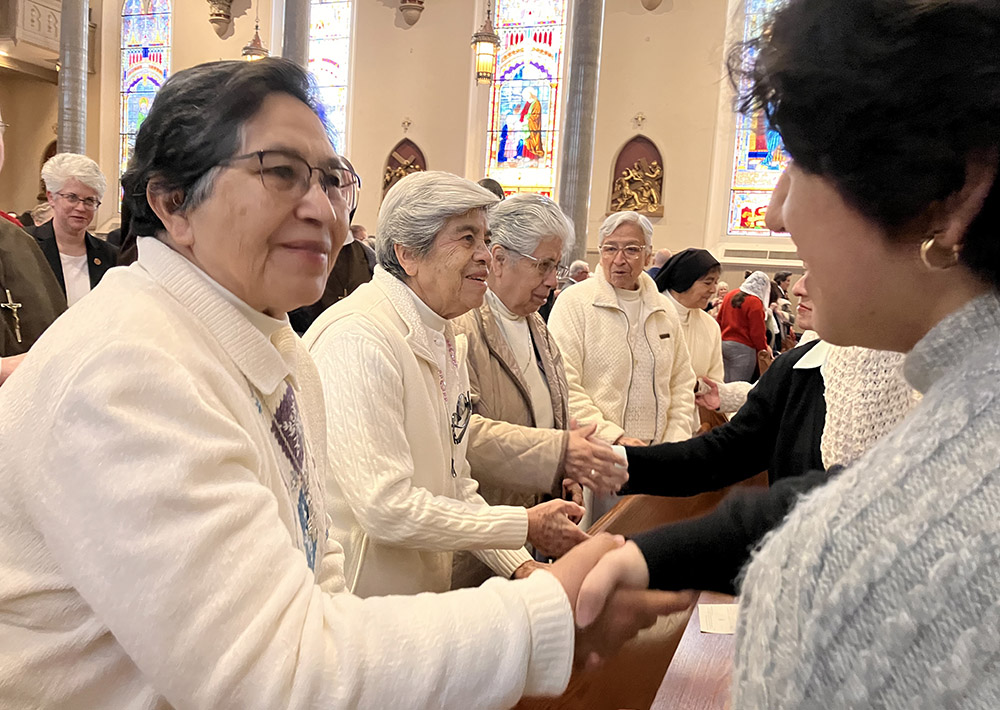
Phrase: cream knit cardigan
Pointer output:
(396, 508)
(591, 330)
(148, 553)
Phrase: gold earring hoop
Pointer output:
(939, 263)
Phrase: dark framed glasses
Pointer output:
(289, 174)
(544, 267)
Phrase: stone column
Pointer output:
(295, 39)
(72, 136)
(576, 159)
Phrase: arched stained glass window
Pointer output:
(524, 106)
(759, 156)
(329, 62)
(145, 65)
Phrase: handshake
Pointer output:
(606, 580)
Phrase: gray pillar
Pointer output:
(576, 160)
(295, 39)
(72, 136)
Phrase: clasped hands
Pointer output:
(606, 581)
(593, 463)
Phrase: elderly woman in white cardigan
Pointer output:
(394, 373)
(523, 446)
(626, 360)
(163, 539)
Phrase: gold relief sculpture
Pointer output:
(638, 188)
(394, 174)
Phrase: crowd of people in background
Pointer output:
(280, 462)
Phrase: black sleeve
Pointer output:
(733, 452)
(708, 553)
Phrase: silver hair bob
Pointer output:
(522, 221)
(63, 167)
(417, 207)
(616, 220)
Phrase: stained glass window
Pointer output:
(145, 65)
(759, 156)
(329, 62)
(523, 130)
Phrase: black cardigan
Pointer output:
(778, 430)
(708, 553)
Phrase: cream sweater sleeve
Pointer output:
(371, 462)
(148, 496)
(566, 326)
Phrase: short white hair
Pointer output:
(521, 222)
(617, 219)
(63, 167)
(578, 266)
(416, 208)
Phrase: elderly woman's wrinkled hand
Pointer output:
(707, 395)
(593, 463)
(551, 529)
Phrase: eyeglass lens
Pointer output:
(287, 173)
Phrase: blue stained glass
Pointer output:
(759, 157)
(145, 65)
(523, 137)
(329, 62)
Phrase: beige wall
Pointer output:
(666, 64)
(30, 106)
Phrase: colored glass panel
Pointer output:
(523, 136)
(145, 65)
(759, 157)
(329, 62)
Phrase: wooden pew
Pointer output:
(633, 677)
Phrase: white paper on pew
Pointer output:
(718, 618)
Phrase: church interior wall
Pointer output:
(665, 64)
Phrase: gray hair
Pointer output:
(416, 208)
(63, 167)
(521, 222)
(617, 219)
(578, 266)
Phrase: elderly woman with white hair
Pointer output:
(74, 186)
(398, 394)
(523, 445)
(626, 359)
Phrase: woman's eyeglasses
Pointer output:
(291, 175)
(91, 203)
(544, 267)
(631, 252)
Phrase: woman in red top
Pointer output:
(741, 318)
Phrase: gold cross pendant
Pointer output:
(13, 309)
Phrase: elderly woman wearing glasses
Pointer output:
(522, 445)
(396, 379)
(164, 528)
(74, 185)
(626, 359)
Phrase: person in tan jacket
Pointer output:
(523, 446)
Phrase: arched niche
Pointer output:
(404, 159)
(637, 179)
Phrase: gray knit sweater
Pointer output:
(882, 589)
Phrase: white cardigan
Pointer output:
(396, 508)
(592, 332)
(148, 553)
